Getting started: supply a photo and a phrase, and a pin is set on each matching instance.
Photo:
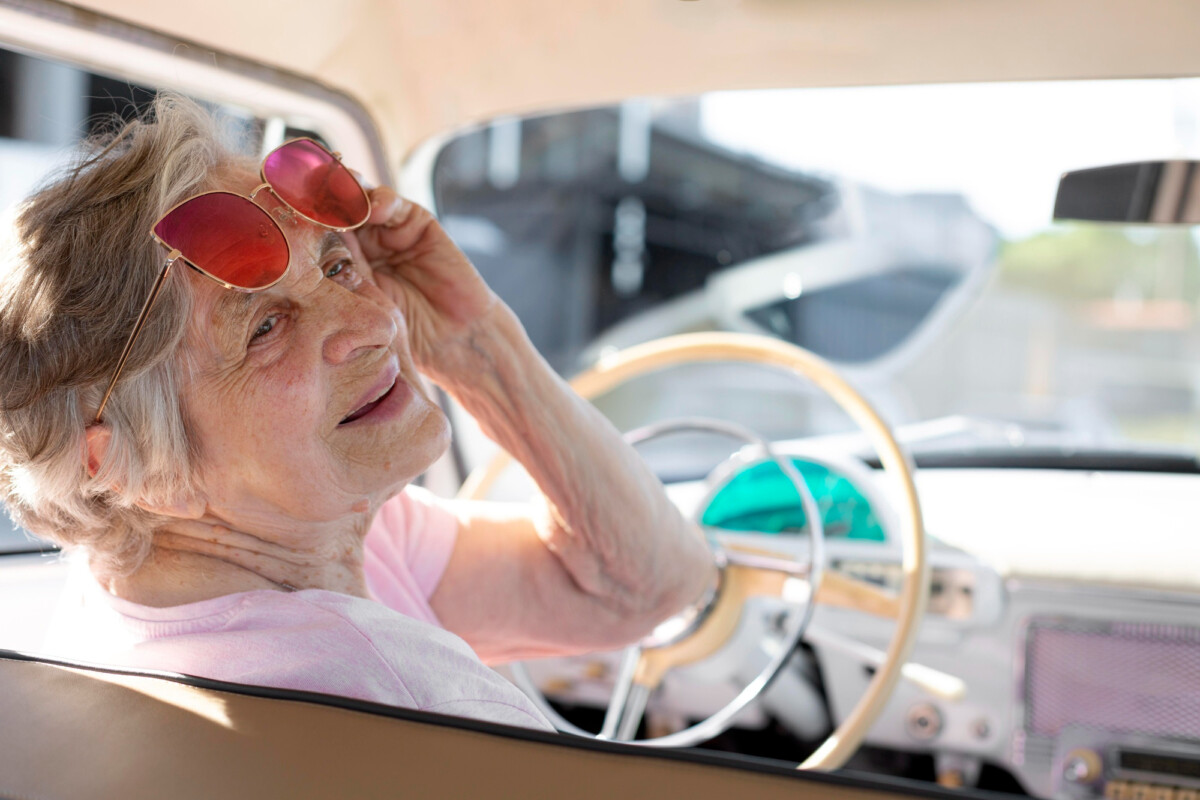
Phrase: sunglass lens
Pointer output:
(308, 178)
(229, 237)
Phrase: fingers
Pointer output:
(393, 226)
(396, 226)
(387, 208)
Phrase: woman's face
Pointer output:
(303, 399)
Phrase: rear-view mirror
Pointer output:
(1155, 192)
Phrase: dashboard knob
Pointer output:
(1082, 766)
(924, 721)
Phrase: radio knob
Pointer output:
(1082, 766)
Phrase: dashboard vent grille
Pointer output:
(1129, 677)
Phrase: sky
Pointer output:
(1003, 146)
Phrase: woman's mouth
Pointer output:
(368, 408)
(388, 400)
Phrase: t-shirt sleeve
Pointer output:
(407, 549)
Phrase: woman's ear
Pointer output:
(98, 436)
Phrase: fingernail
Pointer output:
(397, 208)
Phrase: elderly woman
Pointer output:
(241, 495)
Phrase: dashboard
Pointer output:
(1066, 602)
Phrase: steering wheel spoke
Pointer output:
(628, 702)
(836, 588)
(841, 591)
(766, 561)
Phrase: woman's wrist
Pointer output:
(486, 345)
(497, 375)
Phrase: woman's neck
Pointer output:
(199, 561)
(178, 578)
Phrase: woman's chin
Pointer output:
(425, 439)
(433, 436)
(381, 459)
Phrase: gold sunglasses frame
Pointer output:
(174, 255)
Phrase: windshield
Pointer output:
(902, 232)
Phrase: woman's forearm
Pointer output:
(609, 521)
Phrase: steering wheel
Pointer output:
(701, 631)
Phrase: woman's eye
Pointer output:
(264, 327)
(338, 267)
(343, 271)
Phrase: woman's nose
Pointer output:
(356, 325)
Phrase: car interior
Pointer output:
(900, 301)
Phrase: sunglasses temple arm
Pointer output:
(172, 257)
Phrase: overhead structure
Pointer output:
(392, 54)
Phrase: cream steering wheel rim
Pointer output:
(635, 361)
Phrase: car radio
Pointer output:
(1092, 763)
(1116, 704)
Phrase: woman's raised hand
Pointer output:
(433, 283)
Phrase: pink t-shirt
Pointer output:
(392, 651)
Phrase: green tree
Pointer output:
(1092, 262)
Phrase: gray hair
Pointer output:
(71, 286)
